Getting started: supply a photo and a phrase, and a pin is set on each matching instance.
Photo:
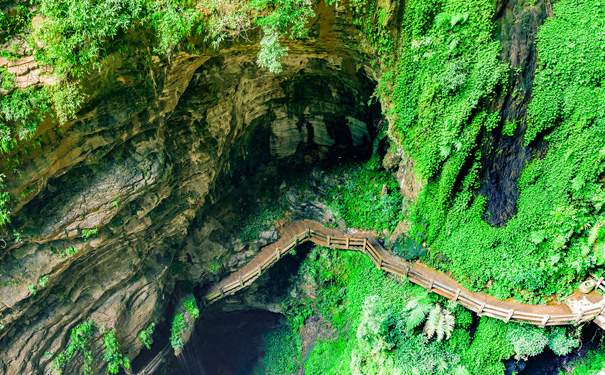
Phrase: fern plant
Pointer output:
(440, 322)
(437, 320)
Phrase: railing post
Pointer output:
(407, 271)
(480, 312)
(328, 241)
(222, 292)
(579, 317)
(380, 264)
(277, 253)
(457, 295)
(430, 287)
(258, 270)
(510, 315)
(365, 244)
(544, 321)
(241, 282)
(348, 238)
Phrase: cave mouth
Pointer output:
(261, 131)
(227, 343)
(230, 337)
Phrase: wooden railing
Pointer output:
(432, 280)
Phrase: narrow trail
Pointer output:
(578, 308)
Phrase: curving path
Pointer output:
(578, 308)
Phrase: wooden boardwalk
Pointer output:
(578, 309)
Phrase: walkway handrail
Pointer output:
(434, 281)
(416, 273)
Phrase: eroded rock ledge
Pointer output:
(125, 184)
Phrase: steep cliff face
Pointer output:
(111, 195)
(139, 192)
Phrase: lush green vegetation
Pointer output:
(146, 336)
(282, 353)
(112, 354)
(79, 340)
(178, 325)
(192, 306)
(367, 196)
(592, 364)
(388, 327)
(446, 71)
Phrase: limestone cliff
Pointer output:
(133, 183)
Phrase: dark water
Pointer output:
(229, 343)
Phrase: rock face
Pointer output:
(113, 202)
(119, 206)
(518, 23)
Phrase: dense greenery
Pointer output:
(592, 364)
(447, 69)
(79, 340)
(146, 336)
(192, 307)
(394, 327)
(367, 197)
(112, 354)
(178, 325)
(282, 353)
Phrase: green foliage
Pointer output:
(79, 340)
(488, 348)
(562, 342)
(547, 247)
(42, 282)
(13, 22)
(20, 113)
(67, 252)
(527, 340)
(86, 233)
(147, 335)
(591, 364)
(286, 17)
(4, 198)
(112, 354)
(192, 307)
(367, 197)
(371, 313)
(172, 20)
(261, 219)
(178, 325)
(282, 353)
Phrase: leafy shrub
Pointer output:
(560, 342)
(282, 353)
(79, 340)
(192, 307)
(368, 197)
(112, 354)
(146, 335)
(488, 348)
(178, 325)
(526, 340)
(591, 364)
